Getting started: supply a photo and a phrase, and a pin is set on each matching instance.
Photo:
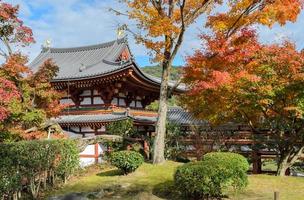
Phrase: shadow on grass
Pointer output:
(166, 190)
(112, 172)
(126, 192)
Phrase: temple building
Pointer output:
(102, 83)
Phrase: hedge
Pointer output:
(127, 161)
(209, 177)
(29, 165)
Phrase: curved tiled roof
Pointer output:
(64, 119)
(176, 115)
(179, 116)
(92, 61)
(83, 62)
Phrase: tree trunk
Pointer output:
(283, 166)
(288, 159)
(159, 142)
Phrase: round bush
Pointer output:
(208, 178)
(127, 161)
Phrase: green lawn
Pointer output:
(155, 182)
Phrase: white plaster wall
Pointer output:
(114, 101)
(97, 100)
(132, 104)
(75, 128)
(66, 101)
(90, 150)
(86, 101)
(103, 128)
(122, 102)
(138, 104)
(86, 129)
(122, 95)
(86, 93)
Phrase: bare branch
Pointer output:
(171, 8)
(197, 12)
(6, 43)
(295, 157)
(234, 28)
(182, 31)
(177, 83)
(117, 12)
(157, 6)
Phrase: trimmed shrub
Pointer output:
(31, 165)
(208, 178)
(127, 161)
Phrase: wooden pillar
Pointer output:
(256, 163)
(74, 94)
(96, 153)
(95, 130)
(107, 95)
(146, 100)
(146, 149)
(128, 100)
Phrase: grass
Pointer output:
(262, 187)
(156, 182)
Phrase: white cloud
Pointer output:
(82, 22)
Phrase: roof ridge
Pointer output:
(85, 47)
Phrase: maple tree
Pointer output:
(163, 23)
(12, 29)
(238, 79)
(27, 98)
(8, 91)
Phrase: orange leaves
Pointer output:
(33, 92)
(38, 135)
(54, 108)
(8, 92)
(45, 72)
(217, 79)
(25, 98)
(162, 23)
(15, 66)
(246, 75)
(12, 30)
(238, 78)
(281, 11)
(46, 97)
(222, 60)
(248, 12)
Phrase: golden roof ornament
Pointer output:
(121, 31)
(47, 44)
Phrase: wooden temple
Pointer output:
(102, 83)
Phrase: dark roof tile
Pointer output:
(79, 62)
(175, 115)
(91, 61)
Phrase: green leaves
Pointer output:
(122, 128)
(127, 161)
(208, 178)
(32, 160)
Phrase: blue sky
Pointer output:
(70, 23)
